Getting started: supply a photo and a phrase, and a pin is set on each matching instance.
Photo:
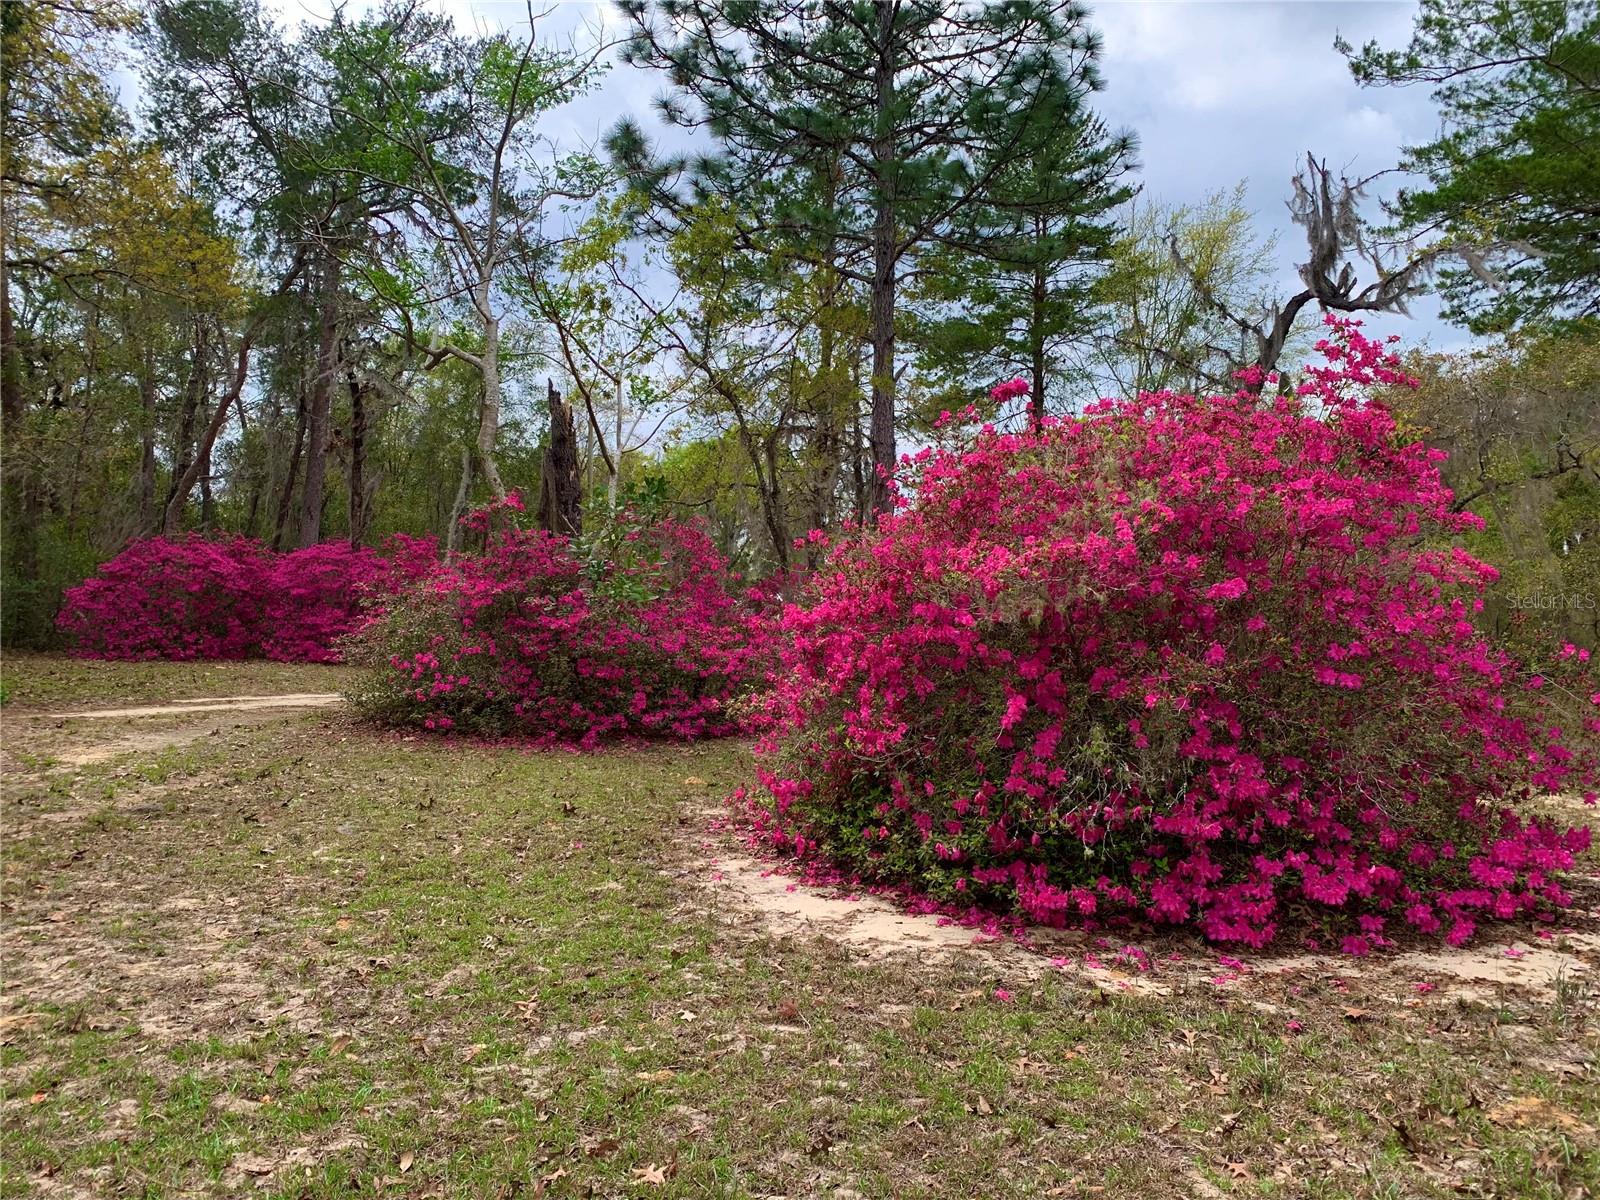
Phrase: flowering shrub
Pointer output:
(639, 636)
(1204, 660)
(194, 597)
(313, 599)
(180, 598)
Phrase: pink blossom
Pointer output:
(1100, 573)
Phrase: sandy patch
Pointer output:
(209, 704)
(209, 978)
(758, 894)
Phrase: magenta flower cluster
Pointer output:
(1198, 660)
(227, 598)
(530, 638)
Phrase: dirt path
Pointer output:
(206, 704)
(86, 737)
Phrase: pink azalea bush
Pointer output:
(195, 597)
(180, 598)
(641, 635)
(314, 600)
(1204, 660)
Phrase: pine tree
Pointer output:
(865, 131)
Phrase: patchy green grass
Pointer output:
(42, 680)
(310, 960)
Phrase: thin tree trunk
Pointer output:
(616, 462)
(1036, 337)
(358, 462)
(459, 508)
(489, 412)
(880, 433)
(280, 530)
(183, 483)
(185, 456)
(827, 424)
(208, 503)
(319, 417)
(252, 512)
(857, 474)
(10, 368)
(146, 496)
(90, 374)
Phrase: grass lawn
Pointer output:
(280, 954)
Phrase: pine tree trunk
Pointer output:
(1036, 337)
(880, 432)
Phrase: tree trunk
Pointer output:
(880, 433)
(489, 412)
(459, 508)
(560, 491)
(183, 484)
(358, 461)
(208, 502)
(858, 443)
(280, 530)
(1036, 337)
(185, 457)
(319, 416)
(616, 460)
(10, 368)
(147, 442)
(827, 418)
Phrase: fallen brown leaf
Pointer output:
(653, 1175)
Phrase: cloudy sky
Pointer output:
(1218, 91)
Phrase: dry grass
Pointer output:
(297, 958)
